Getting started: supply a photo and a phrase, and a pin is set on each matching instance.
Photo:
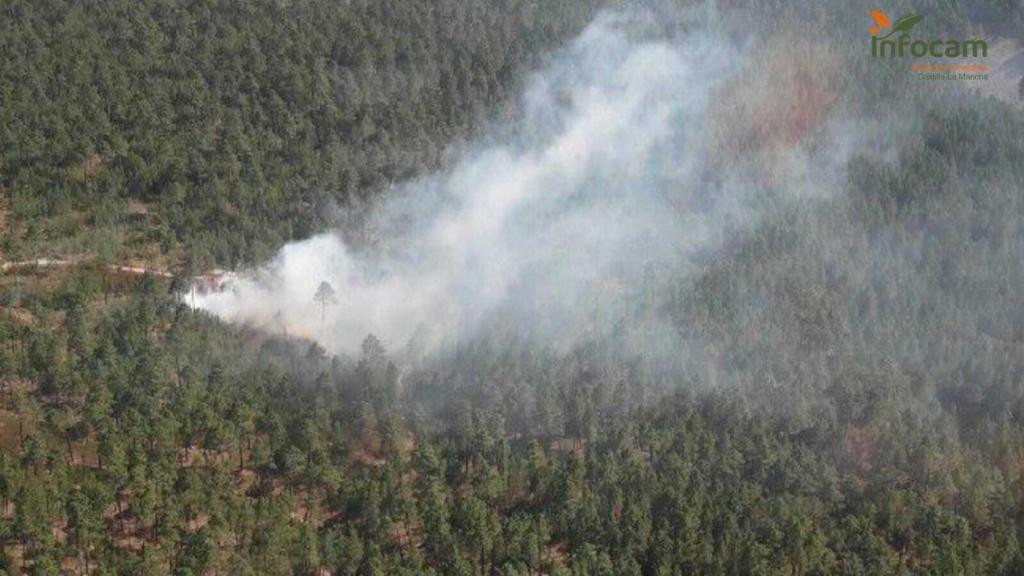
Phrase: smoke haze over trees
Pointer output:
(661, 288)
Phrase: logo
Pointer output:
(893, 40)
(902, 25)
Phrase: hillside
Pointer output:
(242, 126)
(666, 288)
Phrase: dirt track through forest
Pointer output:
(42, 263)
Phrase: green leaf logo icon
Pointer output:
(902, 25)
(906, 23)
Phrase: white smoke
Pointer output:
(604, 175)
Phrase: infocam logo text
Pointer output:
(893, 40)
(904, 45)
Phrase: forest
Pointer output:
(843, 391)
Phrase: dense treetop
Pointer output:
(243, 123)
(850, 399)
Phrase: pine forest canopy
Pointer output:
(833, 387)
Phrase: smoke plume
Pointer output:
(635, 150)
